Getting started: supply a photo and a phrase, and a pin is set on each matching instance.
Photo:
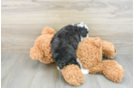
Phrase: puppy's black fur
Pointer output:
(64, 45)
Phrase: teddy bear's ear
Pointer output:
(48, 30)
(97, 41)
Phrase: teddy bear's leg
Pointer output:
(113, 71)
(96, 69)
(73, 75)
(35, 53)
(110, 68)
(108, 49)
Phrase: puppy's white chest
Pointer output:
(84, 71)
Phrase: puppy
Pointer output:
(64, 45)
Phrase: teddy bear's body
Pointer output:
(89, 52)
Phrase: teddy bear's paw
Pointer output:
(73, 75)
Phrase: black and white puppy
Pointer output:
(64, 45)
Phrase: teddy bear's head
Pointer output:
(42, 46)
(89, 52)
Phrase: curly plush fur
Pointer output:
(42, 46)
(108, 49)
(89, 52)
(73, 75)
(111, 69)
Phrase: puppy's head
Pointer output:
(83, 29)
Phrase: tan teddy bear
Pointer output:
(89, 52)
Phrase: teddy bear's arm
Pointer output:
(108, 49)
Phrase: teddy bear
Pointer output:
(89, 52)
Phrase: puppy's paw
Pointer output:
(85, 71)
(58, 68)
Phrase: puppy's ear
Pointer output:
(83, 32)
(97, 41)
